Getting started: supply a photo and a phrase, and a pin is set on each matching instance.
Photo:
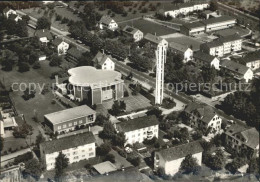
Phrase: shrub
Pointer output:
(110, 157)
(23, 158)
(36, 65)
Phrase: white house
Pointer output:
(231, 43)
(183, 50)
(252, 60)
(107, 22)
(239, 71)
(134, 33)
(203, 117)
(61, 46)
(103, 61)
(185, 8)
(139, 129)
(173, 12)
(44, 36)
(7, 12)
(203, 59)
(75, 147)
(170, 159)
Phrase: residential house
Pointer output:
(15, 17)
(139, 129)
(154, 40)
(103, 61)
(251, 60)
(214, 48)
(170, 159)
(202, 59)
(69, 119)
(222, 22)
(239, 71)
(134, 33)
(231, 43)
(7, 12)
(61, 46)
(75, 147)
(240, 137)
(192, 28)
(203, 117)
(186, 8)
(183, 50)
(107, 22)
(73, 54)
(44, 36)
(171, 11)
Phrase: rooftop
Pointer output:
(90, 76)
(137, 123)
(193, 25)
(105, 19)
(214, 43)
(181, 151)
(203, 56)
(230, 38)
(218, 20)
(252, 56)
(234, 66)
(177, 46)
(43, 33)
(73, 141)
(69, 114)
(105, 167)
(153, 38)
(130, 30)
(100, 58)
(57, 41)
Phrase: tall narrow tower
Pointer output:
(160, 60)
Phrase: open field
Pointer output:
(149, 27)
(237, 29)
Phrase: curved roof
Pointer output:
(90, 76)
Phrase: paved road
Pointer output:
(5, 159)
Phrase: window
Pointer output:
(90, 149)
(64, 126)
(76, 157)
(155, 130)
(138, 134)
(80, 121)
(90, 117)
(59, 127)
(91, 154)
(74, 153)
(144, 132)
(75, 122)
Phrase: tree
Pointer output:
(103, 149)
(23, 67)
(21, 29)
(78, 29)
(7, 64)
(110, 157)
(26, 18)
(253, 167)
(10, 26)
(101, 119)
(33, 58)
(55, 61)
(43, 23)
(189, 164)
(213, 6)
(39, 138)
(108, 130)
(118, 107)
(208, 74)
(217, 161)
(61, 163)
(1, 143)
(119, 139)
(155, 111)
(33, 168)
(235, 164)
(22, 131)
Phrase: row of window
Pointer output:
(75, 123)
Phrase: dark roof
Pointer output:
(57, 41)
(137, 123)
(250, 135)
(181, 151)
(153, 38)
(75, 52)
(234, 66)
(105, 19)
(130, 30)
(43, 33)
(100, 58)
(68, 142)
(250, 57)
(12, 16)
(185, 5)
(217, 20)
(214, 43)
(193, 25)
(203, 56)
(6, 9)
(169, 8)
(178, 47)
(207, 12)
(230, 38)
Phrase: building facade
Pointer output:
(134, 33)
(7, 12)
(202, 59)
(103, 61)
(76, 148)
(60, 46)
(192, 28)
(139, 129)
(222, 22)
(185, 52)
(70, 119)
(107, 22)
(44, 36)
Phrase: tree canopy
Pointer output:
(61, 163)
(43, 23)
(189, 165)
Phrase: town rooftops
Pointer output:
(153, 38)
(186, 5)
(75, 52)
(214, 43)
(68, 142)
(105, 167)
(130, 30)
(100, 58)
(13, 16)
(193, 25)
(69, 114)
(106, 20)
(250, 57)
(203, 56)
(223, 18)
(250, 135)
(178, 47)
(6, 10)
(234, 66)
(169, 8)
(57, 41)
(181, 151)
(137, 123)
(43, 33)
(230, 38)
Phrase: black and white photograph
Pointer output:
(130, 91)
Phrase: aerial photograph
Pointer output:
(130, 91)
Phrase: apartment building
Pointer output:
(218, 23)
(103, 61)
(241, 138)
(214, 48)
(139, 129)
(192, 28)
(170, 159)
(134, 33)
(231, 43)
(69, 119)
(251, 60)
(202, 59)
(203, 117)
(75, 147)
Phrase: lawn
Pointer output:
(40, 104)
(236, 29)
(149, 27)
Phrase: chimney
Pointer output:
(103, 51)
(43, 30)
(57, 79)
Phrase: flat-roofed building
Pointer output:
(139, 129)
(170, 159)
(67, 120)
(75, 148)
(222, 22)
(192, 28)
(202, 59)
(231, 43)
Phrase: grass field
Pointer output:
(149, 27)
(237, 29)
